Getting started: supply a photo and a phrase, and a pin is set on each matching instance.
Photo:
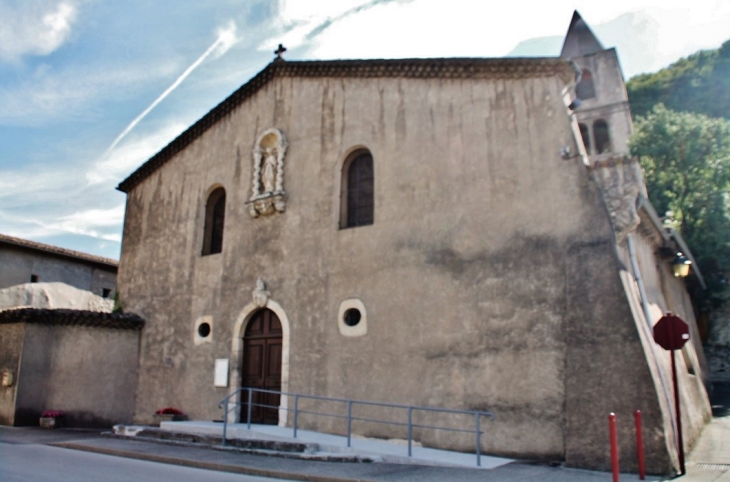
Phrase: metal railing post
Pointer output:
(479, 438)
(225, 423)
(349, 422)
(248, 410)
(296, 414)
(410, 431)
(225, 404)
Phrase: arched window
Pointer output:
(357, 190)
(586, 135)
(215, 212)
(601, 136)
(585, 88)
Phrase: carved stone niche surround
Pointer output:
(268, 195)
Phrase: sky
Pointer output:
(90, 89)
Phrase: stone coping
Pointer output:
(61, 317)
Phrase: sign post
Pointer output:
(671, 333)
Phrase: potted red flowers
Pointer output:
(169, 414)
(51, 419)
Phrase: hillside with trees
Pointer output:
(682, 140)
(686, 162)
(699, 83)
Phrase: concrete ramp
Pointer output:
(391, 451)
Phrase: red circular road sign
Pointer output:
(671, 332)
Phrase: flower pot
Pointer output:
(50, 422)
(169, 417)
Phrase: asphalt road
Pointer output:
(43, 463)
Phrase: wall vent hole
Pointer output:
(204, 330)
(352, 317)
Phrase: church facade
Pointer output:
(439, 232)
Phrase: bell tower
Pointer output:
(604, 115)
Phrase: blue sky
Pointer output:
(77, 75)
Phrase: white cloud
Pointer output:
(91, 222)
(126, 157)
(226, 37)
(333, 29)
(76, 197)
(299, 21)
(48, 95)
(34, 27)
(102, 224)
(41, 201)
(225, 40)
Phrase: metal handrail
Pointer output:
(350, 403)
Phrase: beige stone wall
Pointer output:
(88, 373)
(665, 293)
(474, 274)
(11, 347)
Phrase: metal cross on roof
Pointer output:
(280, 51)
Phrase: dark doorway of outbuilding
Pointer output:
(262, 345)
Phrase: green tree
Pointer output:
(686, 161)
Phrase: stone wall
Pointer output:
(88, 373)
(82, 363)
(11, 347)
(478, 274)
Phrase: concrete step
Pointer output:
(270, 448)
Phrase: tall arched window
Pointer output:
(357, 190)
(585, 88)
(586, 135)
(601, 136)
(215, 212)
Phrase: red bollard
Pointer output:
(614, 445)
(639, 444)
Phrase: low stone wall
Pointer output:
(81, 363)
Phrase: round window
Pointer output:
(352, 317)
(204, 330)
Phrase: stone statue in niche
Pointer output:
(260, 294)
(268, 194)
(268, 177)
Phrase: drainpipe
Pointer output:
(645, 305)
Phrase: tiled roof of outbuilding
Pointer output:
(120, 321)
(67, 253)
(493, 68)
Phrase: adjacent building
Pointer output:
(23, 261)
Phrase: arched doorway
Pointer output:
(262, 357)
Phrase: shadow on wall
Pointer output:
(720, 399)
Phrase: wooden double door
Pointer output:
(262, 349)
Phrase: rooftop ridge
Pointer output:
(48, 248)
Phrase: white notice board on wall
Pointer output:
(221, 372)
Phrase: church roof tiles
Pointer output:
(64, 317)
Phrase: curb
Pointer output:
(238, 469)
